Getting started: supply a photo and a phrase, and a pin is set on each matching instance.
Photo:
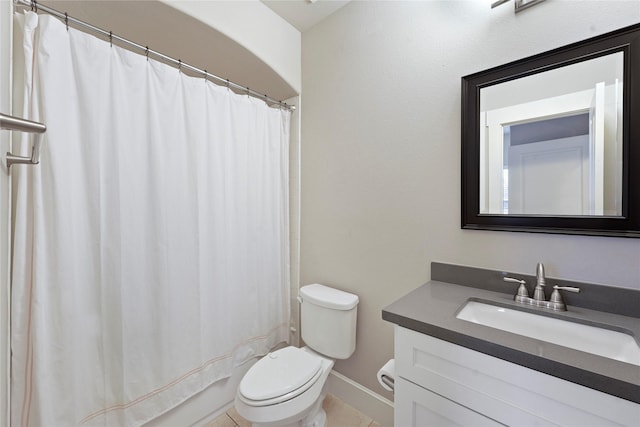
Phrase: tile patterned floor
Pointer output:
(339, 414)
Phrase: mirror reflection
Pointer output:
(551, 143)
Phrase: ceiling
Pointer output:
(304, 14)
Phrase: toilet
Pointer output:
(286, 388)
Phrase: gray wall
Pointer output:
(381, 152)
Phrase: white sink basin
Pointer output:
(591, 339)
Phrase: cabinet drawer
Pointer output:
(419, 407)
(504, 391)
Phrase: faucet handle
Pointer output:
(513, 280)
(522, 289)
(566, 288)
(556, 298)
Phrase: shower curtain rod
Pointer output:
(35, 6)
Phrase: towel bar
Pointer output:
(22, 125)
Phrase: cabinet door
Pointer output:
(503, 391)
(419, 407)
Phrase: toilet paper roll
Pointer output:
(387, 375)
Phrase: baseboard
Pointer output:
(370, 403)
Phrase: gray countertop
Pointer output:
(431, 309)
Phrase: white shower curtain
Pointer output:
(151, 243)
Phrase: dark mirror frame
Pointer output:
(625, 40)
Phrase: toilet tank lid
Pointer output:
(325, 296)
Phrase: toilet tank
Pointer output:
(328, 320)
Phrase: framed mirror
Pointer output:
(551, 143)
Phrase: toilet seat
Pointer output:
(280, 376)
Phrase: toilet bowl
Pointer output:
(286, 388)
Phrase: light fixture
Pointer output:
(519, 5)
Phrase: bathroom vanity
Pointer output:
(451, 371)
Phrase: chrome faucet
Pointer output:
(538, 292)
(555, 302)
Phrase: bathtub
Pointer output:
(206, 405)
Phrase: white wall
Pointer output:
(243, 41)
(253, 25)
(294, 219)
(381, 152)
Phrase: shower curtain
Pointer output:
(151, 242)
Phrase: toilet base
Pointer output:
(304, 410)
(317, 419)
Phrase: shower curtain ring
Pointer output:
(228, 86)
(179, 65)
(146, 52)
(110, 39)
(66, 20)
(205, 75)
(34, 6)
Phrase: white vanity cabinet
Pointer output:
(443, 384)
